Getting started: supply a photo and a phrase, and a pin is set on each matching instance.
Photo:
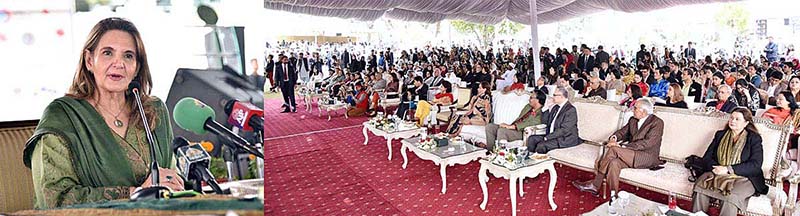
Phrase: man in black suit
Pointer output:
(562, 126)
(586, 60)
(389, 57)
(689, 52)
(286, 78)
(316, 62)
(346, 59)
(640, 55)
(601, 56)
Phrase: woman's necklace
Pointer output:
(118, 123)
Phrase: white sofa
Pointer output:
(505, 109)
(686, 132)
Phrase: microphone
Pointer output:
(193, 164)
(195, 116)
(155, 191)
(245, 116)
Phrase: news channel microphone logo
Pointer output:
(239, 116)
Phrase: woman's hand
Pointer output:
(720, 170)
(167, 178)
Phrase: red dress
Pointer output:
(441, 95)
(777, 115)
(364, 103)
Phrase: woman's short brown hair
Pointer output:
(84, 86)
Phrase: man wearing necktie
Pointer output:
(562, 125)
(586, 62)
(286, 78)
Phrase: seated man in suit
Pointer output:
(725, 102)
(643, 136)
(562, 125)
(531, 115)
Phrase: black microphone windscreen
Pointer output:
(229, 106)
(179, 142)
(134, 85)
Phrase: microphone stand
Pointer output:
(155, 191)
(259, 135)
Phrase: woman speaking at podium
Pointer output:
(90, 145)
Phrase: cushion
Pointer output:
(474, 133)
(597, 121)
(687, 133)
(581, 156)
(762, 205)
(677, 174)
(506, 107)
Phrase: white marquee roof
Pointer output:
(480, 11)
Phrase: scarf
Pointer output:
(98, 162)
(729, 152)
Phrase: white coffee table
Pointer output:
(637, 206)
(449, 155)
(530, 169)
(332, 107)
(402, 133)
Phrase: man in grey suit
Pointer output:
(562, 125)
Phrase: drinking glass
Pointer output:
(673, 201)
(624, 200)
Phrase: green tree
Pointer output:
(484, 33)
(734, 17)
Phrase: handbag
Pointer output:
(695, 165)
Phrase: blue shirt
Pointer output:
(659, 89)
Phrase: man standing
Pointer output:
(640, 55)
(636, 145)
(286, 77)
(269, 71)
(586, 61)
(389, 57)
(316, 62)
(562, 126)
(529, 116)
(346, 59)
(601, 56)
(255, 76)
(302, 68)
(771, 50)
(689, 52)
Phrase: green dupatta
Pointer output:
(97, 161)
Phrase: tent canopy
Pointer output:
(478, 11)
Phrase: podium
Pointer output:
(247, 200)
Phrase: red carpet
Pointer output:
(332, 173)
(282, 124)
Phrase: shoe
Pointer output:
(285, 110)
(294, 109)
(586, 187)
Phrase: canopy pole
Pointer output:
(537, 65)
